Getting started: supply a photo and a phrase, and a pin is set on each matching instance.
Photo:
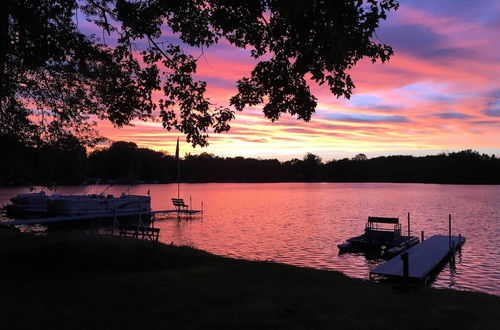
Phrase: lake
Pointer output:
(302, 223)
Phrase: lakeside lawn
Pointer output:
(83, 281)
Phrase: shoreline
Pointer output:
(96, 281)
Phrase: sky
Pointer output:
(440, 92)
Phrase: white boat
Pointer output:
(55, 205)
(28, 204)
(97, 205)
(384, 241)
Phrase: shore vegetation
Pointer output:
(86, 281)
(67, 162)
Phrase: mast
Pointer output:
(178, 169)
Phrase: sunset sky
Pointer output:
(440, 92)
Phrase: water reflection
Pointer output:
(302, 223)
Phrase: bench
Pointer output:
(179, 204)
(140, 232)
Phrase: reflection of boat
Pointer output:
(387, 241)
(28, 204)
(98, 205)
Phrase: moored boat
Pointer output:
(40, 204)
(380, 238)
(99, 205)
(28, 204)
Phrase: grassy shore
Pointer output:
(69, 281)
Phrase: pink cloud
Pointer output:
(443, 98)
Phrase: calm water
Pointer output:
(302, 223)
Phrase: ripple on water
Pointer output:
(302, 223)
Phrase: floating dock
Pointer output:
(422, 259)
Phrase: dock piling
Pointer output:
(449, 230)
(409, 231)
(452, 255)
(115, 221)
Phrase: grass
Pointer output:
(78, 281)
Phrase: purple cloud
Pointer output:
(453, 115)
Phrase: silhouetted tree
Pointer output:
(311, 167)
(51, 71)
(360, 157)
(65, 161)
(62, 161)
(125, 162)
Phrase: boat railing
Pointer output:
(88, 182)
(382, 235)
(374, 223)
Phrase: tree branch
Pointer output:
(172, 63)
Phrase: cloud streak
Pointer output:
(438, 92)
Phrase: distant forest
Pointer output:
(67, 162)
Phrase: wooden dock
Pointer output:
(423, 258)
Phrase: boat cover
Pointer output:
(383, 220)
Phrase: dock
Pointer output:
(422, 260)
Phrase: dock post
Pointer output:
(422, 236)
(452, 256)
(409, 231)
(114, 221)
(449, 231)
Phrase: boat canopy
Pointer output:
(383, 220)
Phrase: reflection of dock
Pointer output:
(144, 228)
(422, 259)
(104, 215)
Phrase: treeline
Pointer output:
(67, 162)
(63, 162)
